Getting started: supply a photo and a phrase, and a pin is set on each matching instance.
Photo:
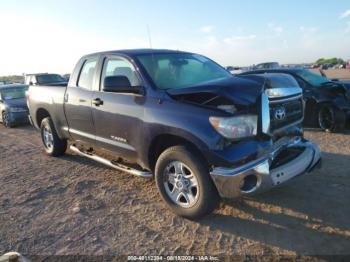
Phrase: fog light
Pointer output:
(248, 184)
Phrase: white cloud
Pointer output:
(345, 14)
(207, 29)
(233, 39)
(308, 30)
(275, 28)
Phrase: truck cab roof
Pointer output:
(144, 51)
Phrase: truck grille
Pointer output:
(285, 112)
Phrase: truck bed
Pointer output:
(49, 99)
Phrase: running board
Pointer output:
(117, 166)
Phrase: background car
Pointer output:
(327, 103)
(45, 79)
(268, 65)
(13, 106)
(234, 70)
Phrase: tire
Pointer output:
(181, 175)
(311, 114)
(54, 146)
(331, 119)
(6, 120)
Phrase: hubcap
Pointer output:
(5, 119)
(181, 184)
(48, 137)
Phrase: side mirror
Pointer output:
(120, 84)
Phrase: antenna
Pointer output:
(149, 37)
(150, 43)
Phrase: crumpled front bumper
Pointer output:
(273, 168)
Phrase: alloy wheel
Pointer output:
(181, 184)
(48, 137)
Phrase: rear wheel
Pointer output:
(184, 183)
(54, 146)
(331, 119)
(6, 120)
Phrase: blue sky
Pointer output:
(51, 35)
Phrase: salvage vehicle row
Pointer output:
(327, 101)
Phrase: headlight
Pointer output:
(235, 127)
(17, 110)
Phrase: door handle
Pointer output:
(82, 100)
(97, 102)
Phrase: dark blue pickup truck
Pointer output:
(202, 132)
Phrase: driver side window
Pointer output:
(120, 67)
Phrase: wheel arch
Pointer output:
(41, 113)
(164, 141)
(339, 116)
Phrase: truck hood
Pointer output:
(239, 91)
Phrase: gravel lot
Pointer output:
(72, 205)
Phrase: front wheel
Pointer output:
(6, 120)
(331, 119)
(54, 146)
(184, 183)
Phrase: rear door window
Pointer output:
(87, 74)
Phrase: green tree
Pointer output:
(333, 60)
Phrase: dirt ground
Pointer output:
(336, 73)
(71, 205)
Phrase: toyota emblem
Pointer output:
(280, 113)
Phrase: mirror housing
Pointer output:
(120, 84)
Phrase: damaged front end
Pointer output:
(256, 157)
(284, 161)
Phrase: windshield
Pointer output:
(313, 78)
(50, 78)
(178, 70)
(13, 93)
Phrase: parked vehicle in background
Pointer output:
(204, 133)
(45, 79)
(13, 106)
(328, 66)
(2, 83)
(327, 102)
(268, 65)
(235, 70)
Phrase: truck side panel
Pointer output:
(48, 100)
